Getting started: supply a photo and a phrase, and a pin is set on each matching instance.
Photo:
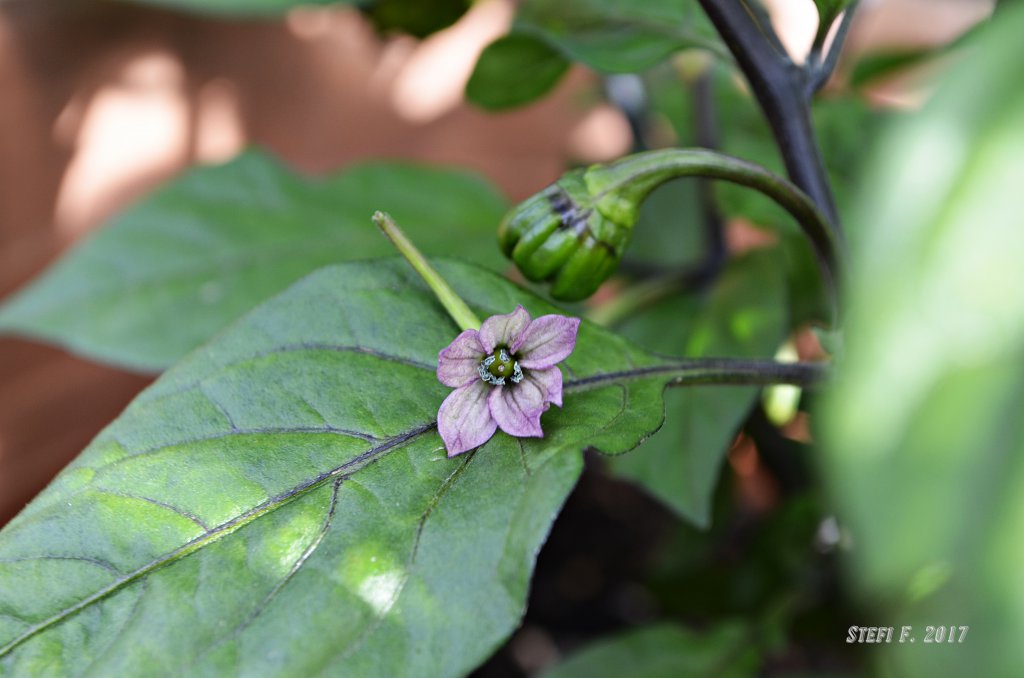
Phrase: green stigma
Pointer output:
(499, 366)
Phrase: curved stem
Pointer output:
(634, 177)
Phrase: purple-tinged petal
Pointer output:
(503, 330)
(548, 340)
(457, 363)
(464, 420)
(517, 409)
(548, 380)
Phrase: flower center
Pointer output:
(498, 366)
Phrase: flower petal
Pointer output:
(464, 420)
(548, 340)
(457, 363)
(517, 408)
(549, 381)
(503, 330)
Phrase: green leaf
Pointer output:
(514, 70)
(618, 36)
(744, 316)
(415, 17)
(828, 11)
(240, 7)
(665, 651)
(170, 272)
(888, 63)
(925, 453)
(668, 233)
(883, 64)
(279, 502)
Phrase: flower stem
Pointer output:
(452, 302)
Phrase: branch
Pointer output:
(706, 371)
(820, 70)
(780, 87)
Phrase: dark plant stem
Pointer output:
(819, 69)
(726, 371)
(780, 87)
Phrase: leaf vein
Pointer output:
(434, 501)
(85, 559)
(331, 430)
(225, 528)
(296, 566)
(184, 513)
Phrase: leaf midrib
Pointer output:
(345, 470)
(355, 464)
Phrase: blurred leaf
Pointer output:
(241, 7)
(665, 651)
(828, 11)
(880, 65)
(279, 503)
(807, 298)
(926, 446)
(414, 17)
(873, 66)
(618, 36)
(669, 231)
(514, 70)
(744, 316)
(173, 270)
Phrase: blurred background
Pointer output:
(102, 101)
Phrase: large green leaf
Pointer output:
(925, 453)
(514, 70)
(665, 651)
(176, 268)
(617, 36)
(279, 503)
(743, 316)
(415, 17)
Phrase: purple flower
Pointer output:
(504, 375)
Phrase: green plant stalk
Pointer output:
(452, 302)
(620, 187)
